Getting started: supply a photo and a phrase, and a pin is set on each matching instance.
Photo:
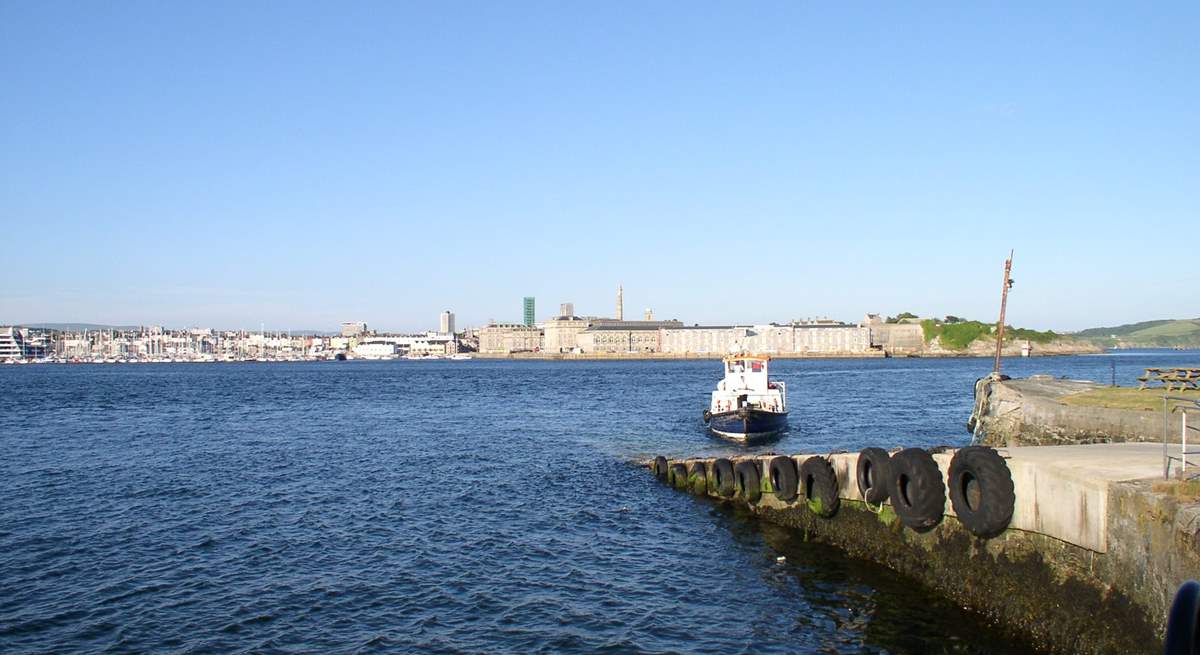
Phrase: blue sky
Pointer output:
(303, 164)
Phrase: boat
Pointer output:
(747, 405)
(459, 357)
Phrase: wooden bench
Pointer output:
(1151, 375)
(1183, 378)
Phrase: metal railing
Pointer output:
(1184, 406)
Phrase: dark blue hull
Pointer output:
(748, 425)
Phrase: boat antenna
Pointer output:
(1003, 303)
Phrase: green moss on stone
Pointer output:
(886, 515)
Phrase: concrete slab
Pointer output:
(1062, 491)
(1115, 462)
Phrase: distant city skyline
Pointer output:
(237, 165)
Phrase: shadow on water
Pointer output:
(864, 606)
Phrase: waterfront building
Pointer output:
(530, 315)
(894, 337)
(23, 344)
(500, 338)
(795, 338)
(375, 350)
(446, 322)
(12, 344)
(561, 333)
(353, 328)
(610, 336)
(566, 309)
(425, 345)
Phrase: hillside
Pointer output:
(1177, 333)
(957, 336)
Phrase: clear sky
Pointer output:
(293, 164)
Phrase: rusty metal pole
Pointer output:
(1003, 304)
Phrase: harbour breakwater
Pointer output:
(1031, 412)
(1068, 547)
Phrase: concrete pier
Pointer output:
(1088, 564)
(1032, 412)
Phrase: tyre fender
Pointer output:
(697, 478)
(720, 478)
(783, 477)
(660, 467)
(872, 473)
(981, 491)
(916, 489)
(677, 477)
(819, 483)
(746, 481)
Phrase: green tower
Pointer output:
(529, 312)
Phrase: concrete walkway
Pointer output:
(1101, 463)
(1063, 491)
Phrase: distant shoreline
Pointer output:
(706, 356)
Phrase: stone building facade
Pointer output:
(895, 337)
(782, 339)
(562, 332)
(499, 338)
(606, 336)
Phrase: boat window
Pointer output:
(757, 367)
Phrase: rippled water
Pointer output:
(446, 507)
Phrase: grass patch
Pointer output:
(1124, 398)
(959, 334)
(1185, 490)
(955, 336)
(1025, 334)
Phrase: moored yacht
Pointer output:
(747, 405)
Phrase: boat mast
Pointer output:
(1003, 303)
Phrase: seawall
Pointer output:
(1027, 412)
(1088, 563)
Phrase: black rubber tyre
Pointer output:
(874, 469)
(819, 482)
(1183, 621)
(981, 491)
(678, 476)
(660, 467)
(720, 478)
(706, 415)
(916, 489)
(782, 474)
(697, 478)
(746, 482)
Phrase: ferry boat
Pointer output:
(747, 405)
